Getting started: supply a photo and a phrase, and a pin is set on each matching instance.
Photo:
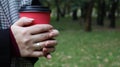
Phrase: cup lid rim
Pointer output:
(34, 8)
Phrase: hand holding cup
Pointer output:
(42, 37)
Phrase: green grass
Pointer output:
(77, 48)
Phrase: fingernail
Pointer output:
(26, 19)
(49, 56)
(54, 33)
(30, 19)
(44, 50)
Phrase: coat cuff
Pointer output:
(14, 48)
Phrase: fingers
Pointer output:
(48, 50)
(50, 43)
(46, 44)
(45, 35)
(24, 21)
(37, 54)
(49, 47)
(54, 33)
(40, 37)
(41, 54)
(38, 46)
(44, 51)
(39, 28)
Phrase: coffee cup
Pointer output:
(40, 14)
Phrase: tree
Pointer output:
(88, 17)
(101, 12)
(112, 16)
(75, 6)
(58, 9)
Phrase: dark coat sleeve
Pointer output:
(5, 51)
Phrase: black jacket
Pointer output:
(5, 49)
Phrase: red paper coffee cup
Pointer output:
(41, 15)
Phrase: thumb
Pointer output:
(24, 21)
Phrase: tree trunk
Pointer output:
(74, 14)
(112, 16)
(58, 10)
(101, 12)
(88, 17)
(83, 10)
(63, 12)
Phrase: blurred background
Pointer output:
(89, 33)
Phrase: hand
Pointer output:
(27, 35)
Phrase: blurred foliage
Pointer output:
(64, 8)
(73, 3)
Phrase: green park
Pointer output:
(89, 33)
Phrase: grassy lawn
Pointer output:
(77, 48)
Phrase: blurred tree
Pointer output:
(83, 9)
(101, 12)
(57, 3)
(88, 15)
(75, 6)
(47, 3)
(113, 8)
(104, 8)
